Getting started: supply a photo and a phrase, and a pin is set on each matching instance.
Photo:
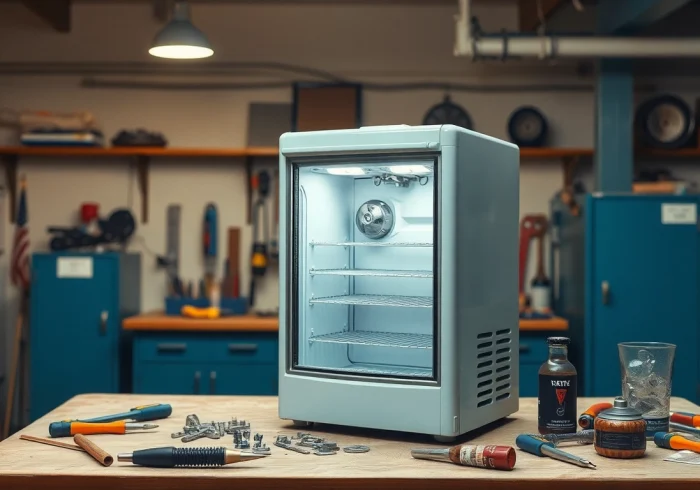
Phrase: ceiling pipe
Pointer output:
(475, 45)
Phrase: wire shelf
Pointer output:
(377, 300)
(379, 339)
(371, 244)
(370, 272)
(388, 370)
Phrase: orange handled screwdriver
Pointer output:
(66, 429)
(672, 440)
(588, 417)
(686, 418)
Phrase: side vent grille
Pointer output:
(493, 367)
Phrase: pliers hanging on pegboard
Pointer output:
(259, 254)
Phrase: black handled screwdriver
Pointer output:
(174, 457)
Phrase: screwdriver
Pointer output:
(672, 440)
(686, 418)
(588, 417)
(141, 413)
(65, 429)
(171, 457)
(684, 428)
(541, 447)
(581, 437)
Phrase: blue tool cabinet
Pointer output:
(77, 303)
(533, 353)
(205, 363)
(642, 283)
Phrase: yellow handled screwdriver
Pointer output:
(66, 429)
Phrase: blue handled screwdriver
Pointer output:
(542, 447)
(142, 413)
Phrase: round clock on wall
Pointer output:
(447, 112)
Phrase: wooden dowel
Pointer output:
(51, 442)
(94, 450)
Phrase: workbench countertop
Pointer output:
(251, 323)
(162, 322)
(28, 465)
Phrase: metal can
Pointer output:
(620, 432)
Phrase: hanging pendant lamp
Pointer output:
(180, 39)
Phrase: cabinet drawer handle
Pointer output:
(212, 383)
(525, 348)
(172, 347)
(197, 378)
(242, 347)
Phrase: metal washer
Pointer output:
(358, 448)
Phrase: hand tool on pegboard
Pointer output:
(530, 227)
(233, 278)
(540, 287)
(209, 247)
(259, 258)
(274, 241)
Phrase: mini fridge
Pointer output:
(398, 273)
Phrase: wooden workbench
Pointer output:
(27, 465)
(160, 321)
(251, 323)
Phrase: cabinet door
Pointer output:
(650, 270)
(529, 380)
(246, 379)
(171, 378)
(74, 328)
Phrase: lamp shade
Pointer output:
(180, 39)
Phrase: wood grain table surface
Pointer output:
(27, 465)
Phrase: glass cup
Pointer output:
(647, 372)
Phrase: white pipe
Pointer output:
(567, 46)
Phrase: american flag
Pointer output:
(19, 262)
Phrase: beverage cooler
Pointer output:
(398, 274)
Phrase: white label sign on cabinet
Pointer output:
(74, 267)
(679, 214)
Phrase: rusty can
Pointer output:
(620, 432)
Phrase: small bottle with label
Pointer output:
(556, 401)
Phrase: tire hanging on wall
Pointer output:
(666, 121)
(527, 127)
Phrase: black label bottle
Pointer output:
(556, 400)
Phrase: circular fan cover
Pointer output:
(665, 122)
(374, 219)
(527, 127)
(448, 112)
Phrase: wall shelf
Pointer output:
(141, 155)
(554, 153)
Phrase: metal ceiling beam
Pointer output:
(56, 13)
(628, 15)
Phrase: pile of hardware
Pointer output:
(318, 445)
(239, 429)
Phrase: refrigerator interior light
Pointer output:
(409, 169)
(346, 171)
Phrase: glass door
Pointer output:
(364, 268)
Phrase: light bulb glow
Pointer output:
(181, 52)
(345, 171)
(409, 169)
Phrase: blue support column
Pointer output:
(614, 150)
